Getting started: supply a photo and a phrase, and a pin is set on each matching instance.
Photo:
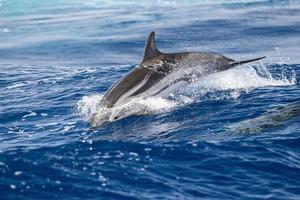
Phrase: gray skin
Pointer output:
(159, 71)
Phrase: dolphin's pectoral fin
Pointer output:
(150, 49)
(245, 61)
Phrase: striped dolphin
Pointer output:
(161, 73)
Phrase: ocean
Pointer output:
(230, 135)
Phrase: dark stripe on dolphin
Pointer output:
(152, 80)
(126, 83)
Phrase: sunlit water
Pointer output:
(231, 135)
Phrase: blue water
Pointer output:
(233, 135)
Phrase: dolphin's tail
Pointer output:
(245, 61)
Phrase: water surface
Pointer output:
(232, 135)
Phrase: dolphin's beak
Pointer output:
(98, 119)
(94, 121)
(92, 124)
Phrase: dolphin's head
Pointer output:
(105, 115)
(100, 117)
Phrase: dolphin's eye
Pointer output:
(116, 117)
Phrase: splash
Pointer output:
(88, 107)
(223, 85)
(241, 78)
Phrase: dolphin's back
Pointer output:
(191, 59)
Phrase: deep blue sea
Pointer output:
(231, 135)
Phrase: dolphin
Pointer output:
(275, 117)
(160, 73)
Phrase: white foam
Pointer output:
(31, 114)
(242, 78)
(142, 106)
(5, 30)
(67, 128)
(88, 106)
(16, 85)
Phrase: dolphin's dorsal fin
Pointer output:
(150, 49)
